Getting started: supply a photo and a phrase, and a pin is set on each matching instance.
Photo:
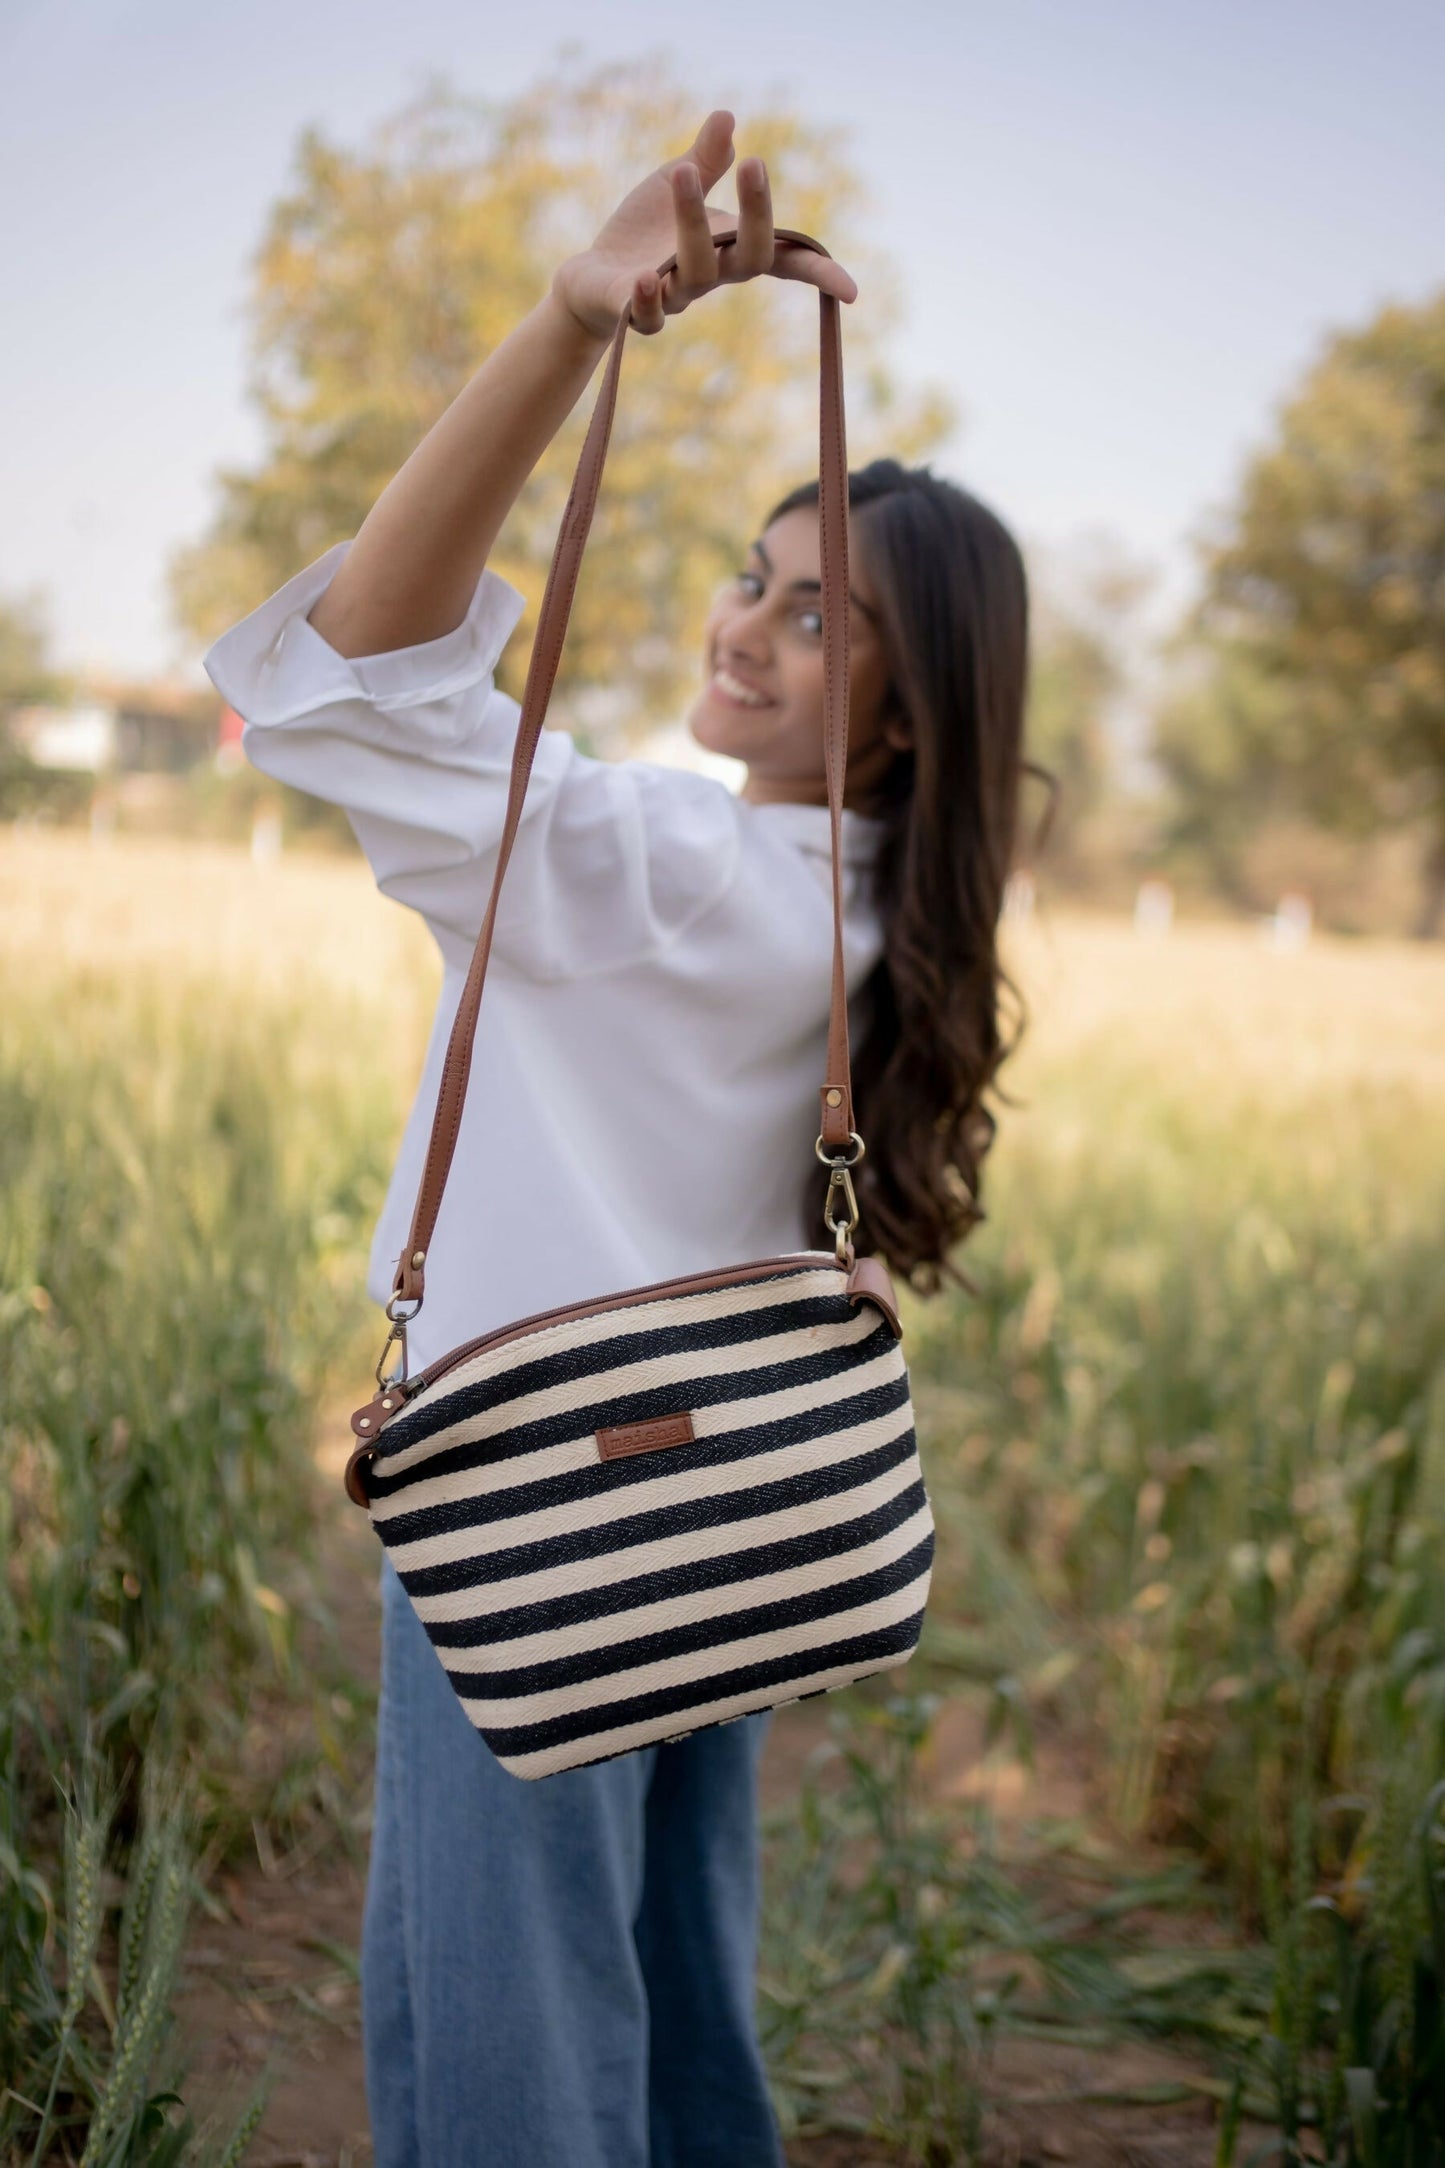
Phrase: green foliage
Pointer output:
(1353, 2057)
(180, 1188)
(28, 791)
(111, 2098)
(1206, 1419)
(26, 672)
(1218, 738)
(1080, 613)
(390, 272)
(873, 1986)
(1186, 1449)
(899, 1949)
(1321, 634)
(185, 1190)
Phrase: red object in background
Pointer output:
(228, 731)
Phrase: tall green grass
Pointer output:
(1195, 1419)
(188, 1180)
(1186, 1447)
(902, 1946)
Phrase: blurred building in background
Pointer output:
(120, 754)
(151, 730)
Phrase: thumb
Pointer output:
(711, 149)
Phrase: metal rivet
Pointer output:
(418, 1259)
(386, 1403)
(835, 1099)
(364, 1423)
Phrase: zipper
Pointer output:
(400, 1390)
(368, 1422)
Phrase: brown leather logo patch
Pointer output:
(645, 1437)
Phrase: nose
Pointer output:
(742, 631)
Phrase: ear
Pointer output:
(897, 729)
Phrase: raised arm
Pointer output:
(416, 559)
(413, 567)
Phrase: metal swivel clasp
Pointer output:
(399, 1323)
(840, 1206)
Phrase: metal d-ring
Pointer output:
(835, 1159)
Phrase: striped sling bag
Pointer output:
(624, 1520)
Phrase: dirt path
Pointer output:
(275, 1979)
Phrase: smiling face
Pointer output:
(762, 696)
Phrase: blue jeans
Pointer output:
(558, 1972)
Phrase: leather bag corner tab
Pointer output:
(353, 1479)
(869, 1282)
(368, 1422)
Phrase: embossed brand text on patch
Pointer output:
(646, 1437)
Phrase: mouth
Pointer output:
(734, 693)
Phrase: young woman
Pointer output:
(561, 1971)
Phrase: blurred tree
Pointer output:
(1217, 738)
(26, 672)
(389, 273)
(1083, 605)
(1318, 667)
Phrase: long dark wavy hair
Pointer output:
(954, 617)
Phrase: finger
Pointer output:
(647, 312)
(696, 256)
(793, 262)
(752, 252)
(711, 149)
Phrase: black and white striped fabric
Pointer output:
(584, 1606)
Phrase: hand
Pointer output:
(668, 214)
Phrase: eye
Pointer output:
(812, 621)
(752, 582)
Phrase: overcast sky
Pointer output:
(1125, 228)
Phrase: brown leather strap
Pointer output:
(836, 1090)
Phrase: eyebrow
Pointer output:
(812, 587)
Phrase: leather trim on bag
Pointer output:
(869, 1282)
(360, 1459)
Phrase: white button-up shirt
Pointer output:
(643, 1096)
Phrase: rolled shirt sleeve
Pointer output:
(612, 859)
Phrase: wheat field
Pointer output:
(1185, 1437)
